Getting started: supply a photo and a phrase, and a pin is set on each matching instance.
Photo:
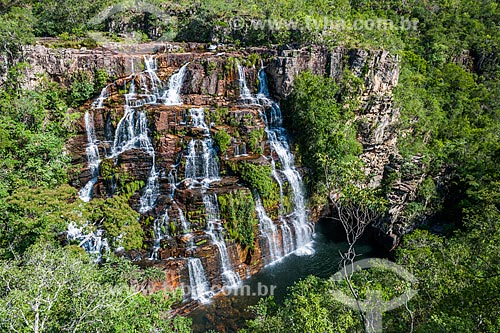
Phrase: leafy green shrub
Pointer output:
(259, 178)
(81, 89)
(255, 139)
(238, 212)
(100, 79)
(223, 140)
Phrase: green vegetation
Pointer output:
(223, 140)
(238, 212)
(255, 139)
(210, 66)
(51, 289)
(37, 214)
(325, 132)
(448, 95)
(259, 178)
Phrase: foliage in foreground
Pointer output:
(50, 289)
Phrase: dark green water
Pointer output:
(228, 313)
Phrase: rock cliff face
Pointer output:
(206, 150)
(211, 83)
(378, 118)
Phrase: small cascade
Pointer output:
(201, 161)
(215, 231)
(200, 289)
(151, 192)
(275, 115)
(172, 95)
(303, 229)
(286, 234)
(197, 116)
(263, 85)
(277, 177)
(182, 218)
(240, 149)
(99, 102)
(160, 230)
(172, 182)
(151, 68)
(93, 157)
(268, 229)
(245, 93)
(94, 243)
(132, 132)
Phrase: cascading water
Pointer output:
(278, 142)
(172, 95)
(245, 93)
(154, 82)
(215, 231)
(93, 243)
(197, 116)
(267, 229)
(93, 158)
(132, 132)
(286, 235)
(150, 192)
(182, 218)
(92, 150)
(200, 289)
(160, 230)
(263, 85)
(201, 161)
(240, 150)
(99, 102)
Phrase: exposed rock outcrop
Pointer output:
(211, 82)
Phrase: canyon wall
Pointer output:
(212, 83)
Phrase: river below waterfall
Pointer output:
(228, 313)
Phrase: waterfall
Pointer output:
(267, 229)
(278, 141)
(215, 231)
(93, 243)
(245, 93)
(92, 150)
(98, 103)
(172, 94)
(200, 289)
(277, 177)
(151, 68)
(93, 158)
(263, 85)
(182, 218)
(240, 149)
(160, 230)
(303, 229)
(201, 161)
(172, 183)
(197, 116)
(286, 235)
(151, 192)
(132, 132)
